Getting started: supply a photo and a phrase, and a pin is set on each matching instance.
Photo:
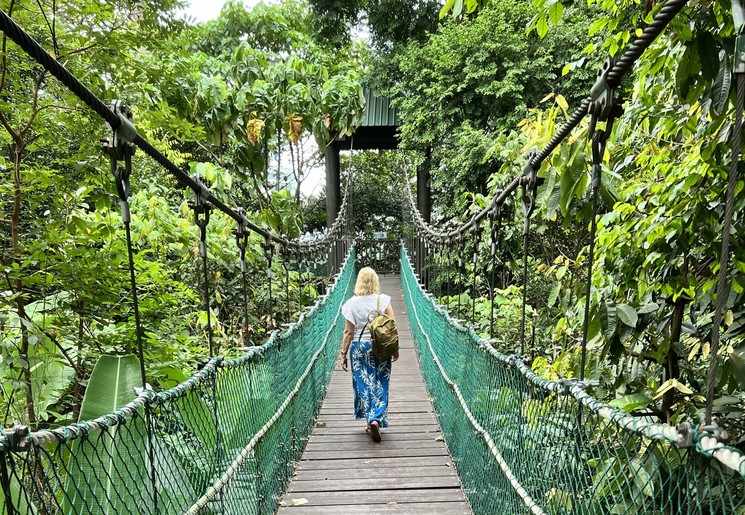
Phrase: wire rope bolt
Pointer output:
(120, 143)
(18, 438)
(119, 146)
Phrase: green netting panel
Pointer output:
(224, 442)
(522, 444)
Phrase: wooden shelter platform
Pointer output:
(343, 471)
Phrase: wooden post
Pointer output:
(423, 191)
(333, 184)
(333, 197)
(424, 205)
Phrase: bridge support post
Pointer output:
(424, 205)
(333, 195)
(423, 191)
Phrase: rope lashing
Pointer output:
(202, 207)
(729, 208)
(603, 108)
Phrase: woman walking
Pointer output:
(370, 376)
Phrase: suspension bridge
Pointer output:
(472, 429)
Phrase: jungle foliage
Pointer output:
(239, 99)
(235, 100)
(660, 223)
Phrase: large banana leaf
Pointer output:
(108, 471)
(17, 498)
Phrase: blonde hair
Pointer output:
(367, 282)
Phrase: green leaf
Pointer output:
(738, 365)
(627, 314)
(17, 499)
(458, 8)
(572, 178)
(642, 478)
(111, 385)
(542, 27)
(631, 402)
(648, 308)
(555, 12)
(98, 467)
(608, 319)
(445, 8)
(721, 85)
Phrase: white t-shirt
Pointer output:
(357, 310)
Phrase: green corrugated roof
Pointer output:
(378, 111)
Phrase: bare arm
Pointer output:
(389, 312)
(346, 341)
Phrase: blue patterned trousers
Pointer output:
(370, 380)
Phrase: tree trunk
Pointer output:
(20, 300)
(672, 368)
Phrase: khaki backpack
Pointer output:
(383, 334)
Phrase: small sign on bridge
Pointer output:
(380, 235)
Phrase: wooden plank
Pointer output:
(351, 497)
(340, 470)
(368, 445)
(361, 436)
(393, 417)
(368, 463)
(375, 483)
(363, 473)
(381, 452)
(357, 427)
(410, 508)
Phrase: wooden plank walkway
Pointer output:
(343, 471)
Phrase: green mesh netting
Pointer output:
(225, 441)
(522, 444)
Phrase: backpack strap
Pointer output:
(376, 310)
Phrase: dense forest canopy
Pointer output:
(247, 100)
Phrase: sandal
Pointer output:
(375, 431)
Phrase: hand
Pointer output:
(344, 363)
(395, 357)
